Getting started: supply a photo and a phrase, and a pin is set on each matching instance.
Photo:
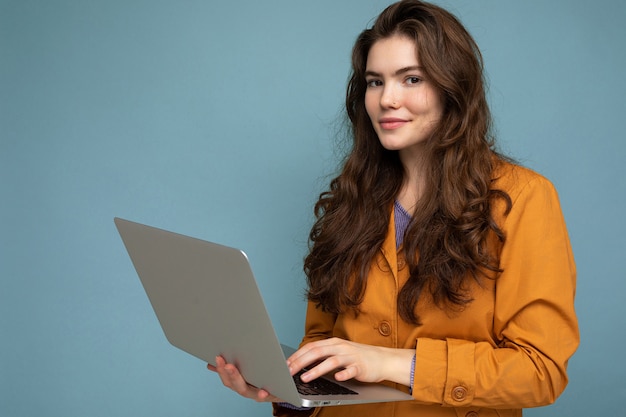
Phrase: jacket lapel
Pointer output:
(388, 249)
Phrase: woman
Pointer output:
(436, 265)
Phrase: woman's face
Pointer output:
(403, 106)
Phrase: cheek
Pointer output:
(416, 104)
(424, 105)
(432, 103)
(370, 106)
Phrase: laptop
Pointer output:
(208, 303)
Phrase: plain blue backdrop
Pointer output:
(219, 120)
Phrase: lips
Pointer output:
(391, 123)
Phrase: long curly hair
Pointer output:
(447, 239)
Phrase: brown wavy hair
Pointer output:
(447, 239)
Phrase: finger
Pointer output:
(306, 355)
(237, 382)
(312, 346)
(220, 364)
(224, 375)
(213, 367)
(304, 350)
(239, 385)
(325, 367)
(314, 354)
(347, 373)
(265, 396)
(232, 378)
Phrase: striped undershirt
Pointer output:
(402, 219)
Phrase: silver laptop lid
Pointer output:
(208, 303)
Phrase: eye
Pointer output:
(373, 83)
(413, 80)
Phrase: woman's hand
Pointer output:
(232, 378)
(364, 363)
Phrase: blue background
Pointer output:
(218, 120)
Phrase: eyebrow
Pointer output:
(398, 72)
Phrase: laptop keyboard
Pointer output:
(320, 386)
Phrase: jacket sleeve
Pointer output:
(319, 325)
(534, 323)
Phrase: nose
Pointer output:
(389, 97)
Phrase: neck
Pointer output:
(414, 180)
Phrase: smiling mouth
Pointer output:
(390, 124)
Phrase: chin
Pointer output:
(392, 146)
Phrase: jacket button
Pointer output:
(459, 393)
(471, 414)
(384, 328)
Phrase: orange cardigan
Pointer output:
(507, 350)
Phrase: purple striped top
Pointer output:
(402, 219)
